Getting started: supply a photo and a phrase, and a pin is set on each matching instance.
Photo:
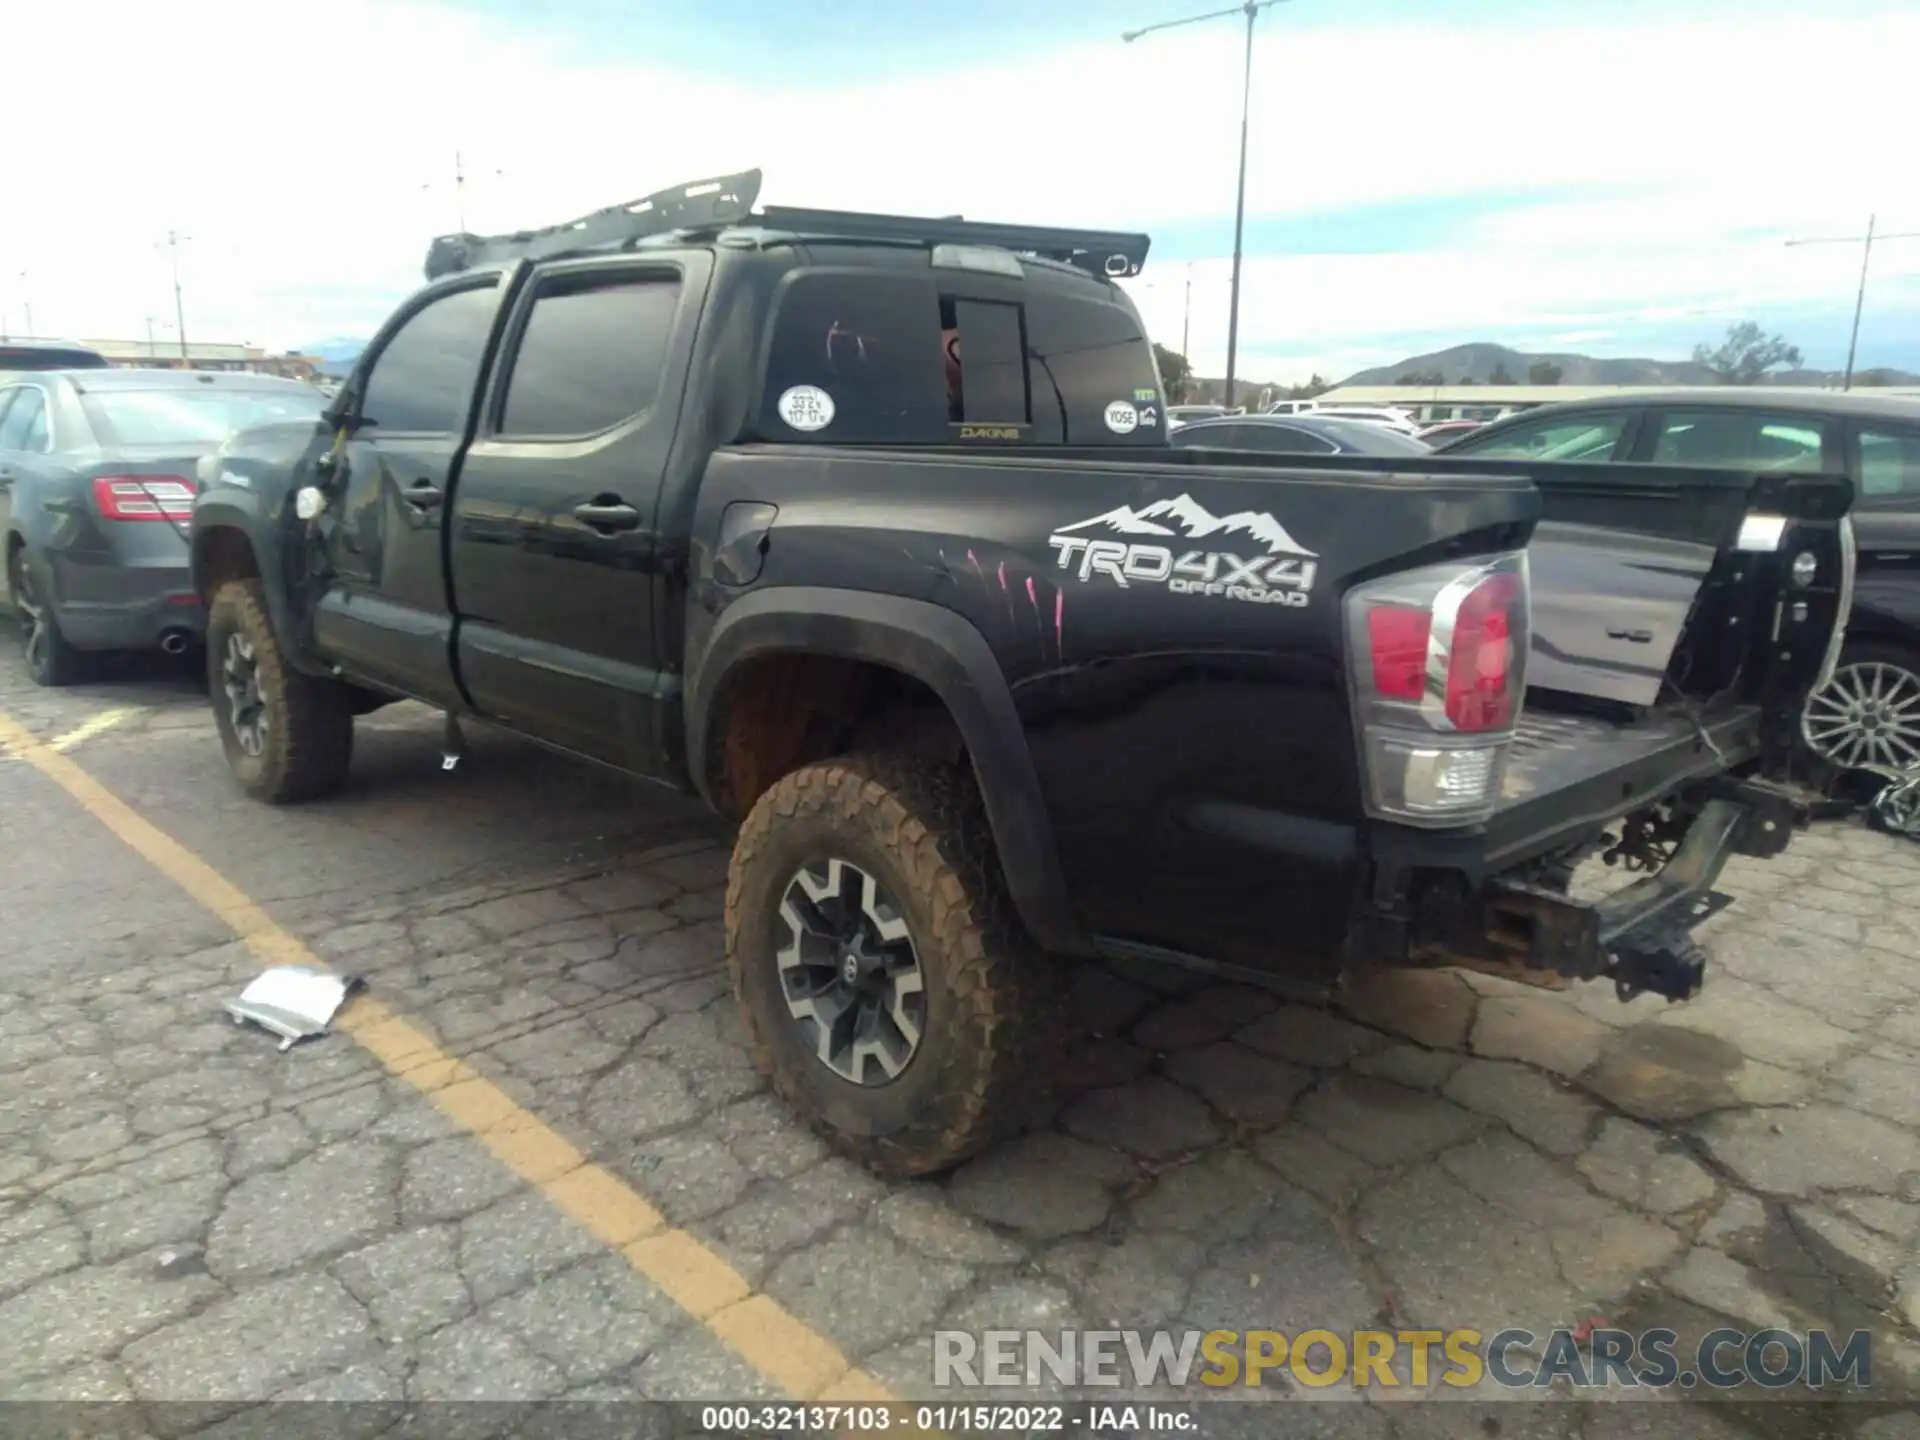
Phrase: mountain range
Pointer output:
(1480, 361)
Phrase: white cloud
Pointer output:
(293, 146)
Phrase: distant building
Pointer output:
(205, 355)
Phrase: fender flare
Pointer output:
(945, 652)
(243, 517)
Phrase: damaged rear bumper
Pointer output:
(1641, 935)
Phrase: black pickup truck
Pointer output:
(866, 529)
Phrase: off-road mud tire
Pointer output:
(917, 827)
(309, 734)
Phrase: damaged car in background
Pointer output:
(866, 530)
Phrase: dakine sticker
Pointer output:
(1122, 418)
(806, 407)
(1265, 566)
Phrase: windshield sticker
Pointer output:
(1266, 567)
(1122, 418)
(806, 407)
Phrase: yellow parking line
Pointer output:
(804, 1363)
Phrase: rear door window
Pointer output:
(1738, 440)
(423, 380)
(1591, 435)
(1890, 465)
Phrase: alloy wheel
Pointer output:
(246, 707)
(850, 974)
(1868, 717)
(32, 616)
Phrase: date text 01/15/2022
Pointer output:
(902, 1419)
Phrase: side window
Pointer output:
(1591, 436)
(1214, 437)
(6, 398)
(1737, 439)
(1890, 463)
(423, 379)
(24, 427)
(1285, 440)
(591, 355)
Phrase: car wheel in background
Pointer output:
(288, 735)
(50, 659)
(889, 989)
(1868, 716)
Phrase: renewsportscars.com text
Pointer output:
(1723, 1359)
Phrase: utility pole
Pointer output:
(1866, 244)
(26, 304)
(1251, 9)
(460, 189)
(150, 349)
(1186, 323)
(174, 242)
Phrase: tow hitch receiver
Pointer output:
(1641, 936)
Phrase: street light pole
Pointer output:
(1866, 243)
(174, 239)
(26, 304)
(1186, 322)
(1251, 9)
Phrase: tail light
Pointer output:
(143, 497)
(1439, 659)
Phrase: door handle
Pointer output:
(423, 496)
(609, 518)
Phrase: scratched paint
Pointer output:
(1039, 625)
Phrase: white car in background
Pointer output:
(1393, 419)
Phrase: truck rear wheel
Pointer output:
(288, 735)
(890, 992)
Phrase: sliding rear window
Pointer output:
(939, 357)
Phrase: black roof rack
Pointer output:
(727, 200)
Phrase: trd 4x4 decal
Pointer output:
(1269, 567)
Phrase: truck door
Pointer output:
(383, 614)
(554, 546)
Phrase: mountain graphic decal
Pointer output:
(1188, 517)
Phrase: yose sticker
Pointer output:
(1122, 418)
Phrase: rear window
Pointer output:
(940, 356)
(192, 416)
(49, 357)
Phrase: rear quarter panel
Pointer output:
(1193, 747)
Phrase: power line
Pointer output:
(1866, 243)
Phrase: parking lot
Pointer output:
(534, 1161)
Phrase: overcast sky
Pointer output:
(1616, 178)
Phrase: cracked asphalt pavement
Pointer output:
(188, 1215)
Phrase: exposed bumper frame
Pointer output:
(1639, 936)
